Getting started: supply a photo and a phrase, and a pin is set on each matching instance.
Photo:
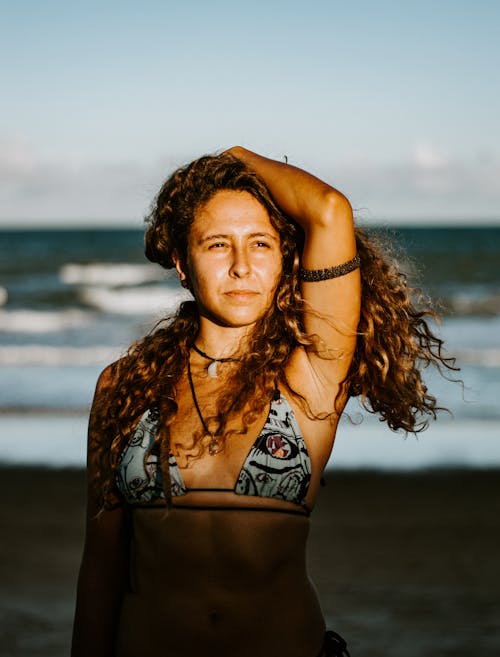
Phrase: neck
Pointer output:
(221, 342)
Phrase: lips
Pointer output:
(240, 294)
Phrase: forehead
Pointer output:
(232, 211)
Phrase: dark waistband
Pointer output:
(303, 511)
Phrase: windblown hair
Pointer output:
(394, 342)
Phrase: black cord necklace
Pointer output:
(212, 367)
(214, 446)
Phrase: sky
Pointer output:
(395, 103)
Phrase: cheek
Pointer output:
(200, 285)
(277, 270)
(206, 282)
(274, 278)
(200, 274)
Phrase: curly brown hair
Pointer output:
(394, 342)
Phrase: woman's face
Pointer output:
(234, 259)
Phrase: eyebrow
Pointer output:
(224, 236)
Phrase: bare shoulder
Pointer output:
(107, 381)
(108, 377)
(106, 384)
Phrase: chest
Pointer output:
(190, 437)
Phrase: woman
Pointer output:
(207, 441)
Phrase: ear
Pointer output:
(179, 266)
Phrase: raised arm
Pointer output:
(104, 569)
(326, 217)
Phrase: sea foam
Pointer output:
(49, 355)
(42, 321)
(112, 274)
(145, 300)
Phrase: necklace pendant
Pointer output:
(214, 445)
(212, 369)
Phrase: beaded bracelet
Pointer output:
(313, 275)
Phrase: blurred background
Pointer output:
(396, 104)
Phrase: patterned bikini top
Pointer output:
(277, 465)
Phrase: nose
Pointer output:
(240, 265)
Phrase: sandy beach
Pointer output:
(406, 564)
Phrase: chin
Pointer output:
(240, 323)
(236, 321)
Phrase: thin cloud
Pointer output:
(428, 185)
(37, 189)
(17, 159)
(428, 157)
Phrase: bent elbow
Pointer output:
(336, 207)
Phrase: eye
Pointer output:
(217, 245)
(262, 245)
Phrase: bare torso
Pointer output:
(219, 582)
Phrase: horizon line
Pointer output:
(82, 224)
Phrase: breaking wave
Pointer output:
(146, 300)
(112, 274)
(41, 321)
(44, 355)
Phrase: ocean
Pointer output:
(72, 301)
